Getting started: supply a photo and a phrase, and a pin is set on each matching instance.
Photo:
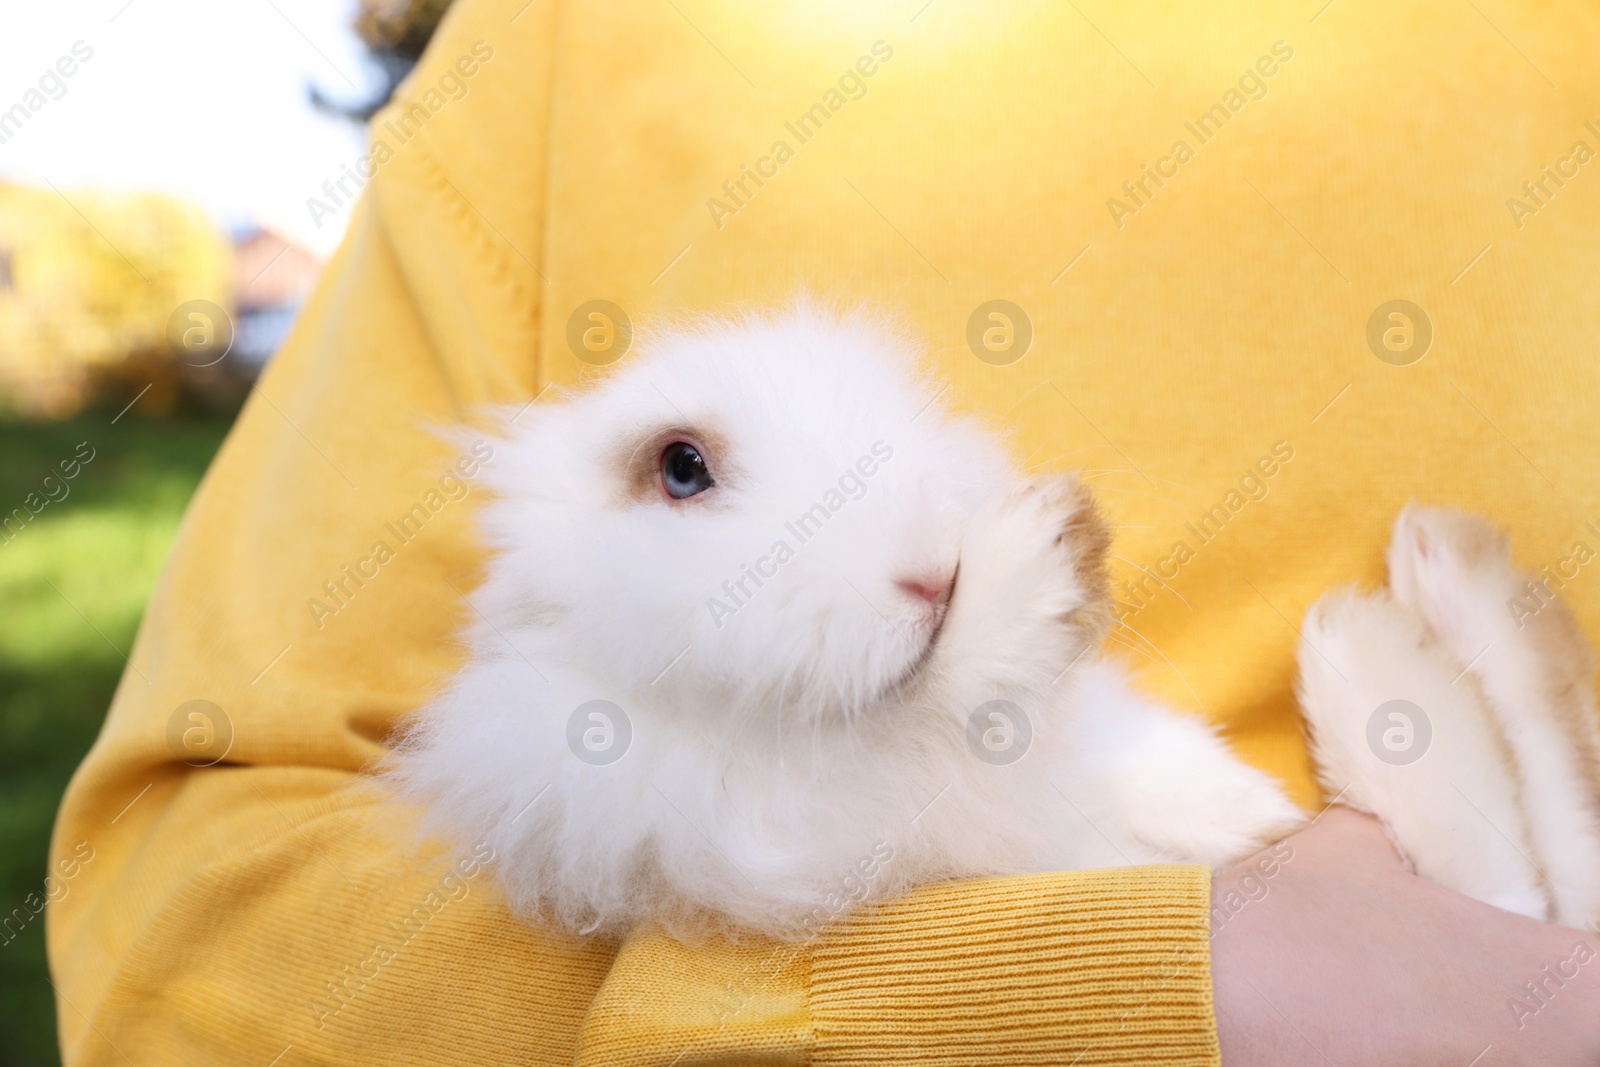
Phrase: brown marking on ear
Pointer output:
(1567, 683)
(1481, 544)
(1563, 688)
(1508, 763)
(639, 467)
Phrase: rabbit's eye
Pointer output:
(683, 471)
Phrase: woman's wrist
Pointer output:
(1326, 949)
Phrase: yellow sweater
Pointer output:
(1203, 220)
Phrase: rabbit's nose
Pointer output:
(933, 590)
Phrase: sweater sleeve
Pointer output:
(271, 915)
(1086, 967)
(252, 897)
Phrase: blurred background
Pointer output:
(163, 215)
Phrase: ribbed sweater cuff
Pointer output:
(1087, 967)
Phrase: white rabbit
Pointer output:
(767, 632)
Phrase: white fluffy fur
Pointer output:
(1505, 806)
(810, 751)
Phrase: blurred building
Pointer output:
(272, 276)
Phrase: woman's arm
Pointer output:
(1326, 949)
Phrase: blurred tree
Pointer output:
(395, 33)
(401, 26)
(92, 281)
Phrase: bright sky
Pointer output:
(205, 98)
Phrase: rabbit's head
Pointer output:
(768, 511)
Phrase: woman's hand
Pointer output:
(1326, 950)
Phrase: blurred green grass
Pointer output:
(73, 585)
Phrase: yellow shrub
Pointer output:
(89, 280)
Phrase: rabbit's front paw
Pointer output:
(1031, 592)
(1045, 544)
